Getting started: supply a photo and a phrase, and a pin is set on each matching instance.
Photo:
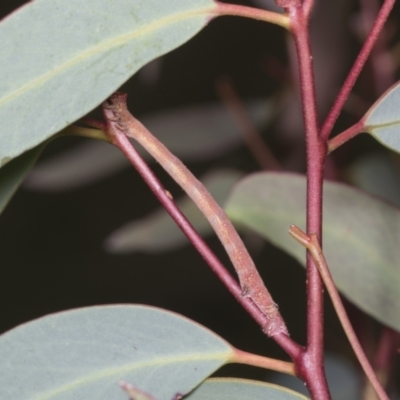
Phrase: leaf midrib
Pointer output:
(222, 356)
(103, 47)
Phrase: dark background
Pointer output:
(52, 244)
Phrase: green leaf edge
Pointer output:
(265, 385)
(14, 173)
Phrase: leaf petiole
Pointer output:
(310, 242)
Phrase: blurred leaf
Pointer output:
(14, 173)
(88, 162)
(377, 175)
(158, 232)
(383, 119)
(242, 389)
(83, 354)
(361, 235)
(60, 59)
(195, 133)
(150, 73)
(205, 131)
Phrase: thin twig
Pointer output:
(118, 117)
(345, 136)
(310, 242)
(381, 60)
(356, 69)
(250, 12)
(95, 123)
(243, 357)
(249, 131)
(308, 6)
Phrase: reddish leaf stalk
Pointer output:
(345, 136)
(307, 7)
(356, 69)
(250, 12)
(311, 243)
(118, 137)
(311, 366)
(242, 357)
(381, 61)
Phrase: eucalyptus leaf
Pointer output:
(14, 173)
(83, 354)
(195, 133)
(88, 162)
(60, 59)
(205, 131)
(376, 174)
(361, 235)
(157, 232)
(383, 119)
(242, 389)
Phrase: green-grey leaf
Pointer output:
(204, 131)
(83, 354)
(195, 133)
(376, 174)
(14, 173)
(361, 235)
(88, 162)
(383, 119)
(60, 59)
(158, 232)
(242, 389)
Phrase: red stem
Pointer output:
(356, 69)
(307, 7)
(122, 142)
(346, 135)
(250, 12)
(382, 62)
(311, 367)
(311, 243)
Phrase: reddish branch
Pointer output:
(311, 366)
(119, 118)
(116, 129)
(311, 243)
(309, 361)
(345, 136)
(356, 69)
